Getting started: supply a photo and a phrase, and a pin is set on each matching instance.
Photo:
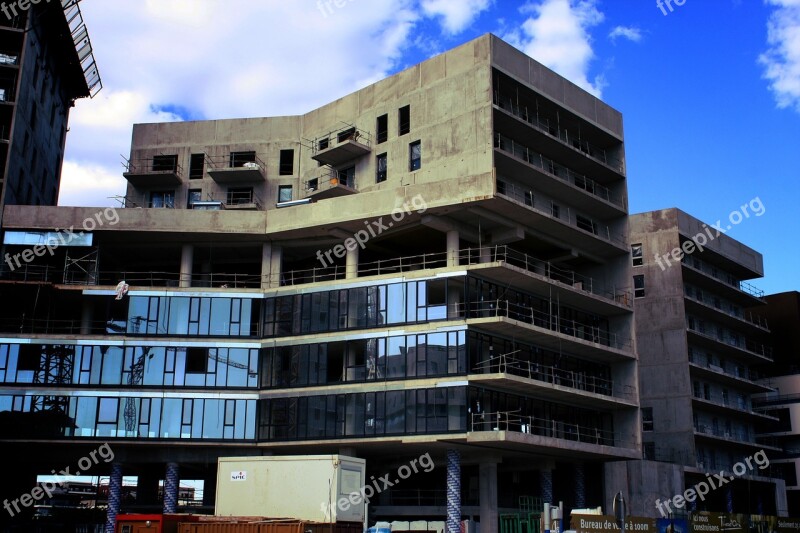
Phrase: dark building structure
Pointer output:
(46, 63)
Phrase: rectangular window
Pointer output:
(284, 193)
(348, 134)
(649, 451)
(286, 163)
(647, 419)
(196, 360)
(381, 166)
(404, 120)
(638, 286)
(195, 195)
(382, 129)
(323, 144)
(636, 255)
(347, 177)
(240, 159)
(165, 163)
(415, 156)
(30, 356)
(197, 164)
(162, 199)
(555, 210)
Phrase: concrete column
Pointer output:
(486, 254)
(114, 497)
(87, 314)
(187, 259)
(453, 245)
(171, 486)
(487, 481)
(271, 259)
(546, 483)
(351, 268)
(579, 476)
(453, 492)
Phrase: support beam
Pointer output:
(171, 487)
(453, 246)
(87, 315)
(351, 265)
(487, 481)
(187, 260)
(271, 261)
(114, 497)
(453, 492)
(579, 475)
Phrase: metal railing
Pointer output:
(748, 345)
(517, 422)
(329, 178)
(551, 128)
(731, 311)
(582, 381)
(740, 435)
(702, 267)
(238, 198)
(540, 319)
(465, 257)
(153, 165)
(723, 401)
(243, 159)
(529, 197)
(345, 134)
(745, 374)
(556, 170)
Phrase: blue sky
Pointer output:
(707, 128)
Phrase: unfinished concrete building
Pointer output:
(698, 345)
(437, 263)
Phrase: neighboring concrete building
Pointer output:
(46, 63)
(697, 346)
(783, 313)
(486, 317)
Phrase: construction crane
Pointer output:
(135, 377)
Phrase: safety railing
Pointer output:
(552, 128)
(528, 196)
(517, 421)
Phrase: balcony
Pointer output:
(740, 377)
(339, 147)
(728, 314)
(569, 179)
(563, 136)
(156, 171)
(236, 168)
(739, 346)
(332, 183)
(698, 271)
(243, 200)
(737, 406)
(562, 214)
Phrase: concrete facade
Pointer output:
(693, 325)
(470, 298)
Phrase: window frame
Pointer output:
(412, 167)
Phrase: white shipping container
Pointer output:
(309, 487)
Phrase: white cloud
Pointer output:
(457, 14)
(630, 33)
(782, 60)
(89, 185)
(557, 35)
